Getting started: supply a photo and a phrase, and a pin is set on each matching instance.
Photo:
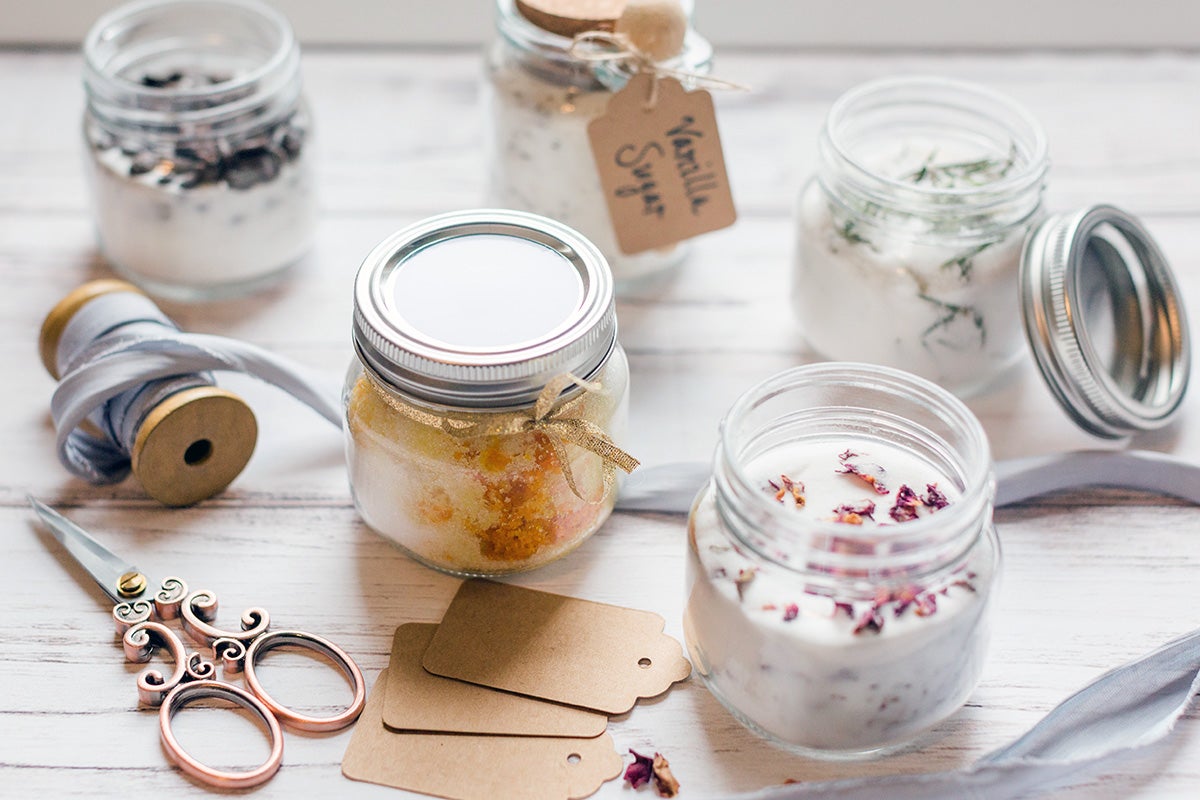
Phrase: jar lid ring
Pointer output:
(1104, 320)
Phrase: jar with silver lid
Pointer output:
(915, 219)
(540, 97)
(198, 145)
(489, 394)
(842, 561)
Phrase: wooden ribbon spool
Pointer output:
(189, 446)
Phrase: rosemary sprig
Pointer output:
(950, 175)
(965, 260)
(951, 312)
(850, 233)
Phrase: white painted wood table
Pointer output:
(1093, 578)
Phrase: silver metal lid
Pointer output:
(482, 308)
(1103, 317)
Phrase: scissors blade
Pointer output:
(105, 567)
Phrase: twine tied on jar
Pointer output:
(562, 423)
(606, 47)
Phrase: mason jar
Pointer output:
(489, 392)
(842, 560)
(910, 233)
(197, 139)
(540, 98)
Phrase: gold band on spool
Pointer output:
(193, 444)
(56, 321)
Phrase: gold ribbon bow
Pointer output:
(617, 48)
(557, 423)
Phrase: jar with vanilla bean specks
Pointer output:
(198, 145)
(489, 397)
(541, 94)
(910, 233)
(842, 561)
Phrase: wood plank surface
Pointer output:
(1091, 580)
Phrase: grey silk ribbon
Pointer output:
(670, 488)
(1131, 707)
(119, 356)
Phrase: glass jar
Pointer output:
(488, 390)
(842, 560)
(924, 193)
(198, 148)
(540, 99)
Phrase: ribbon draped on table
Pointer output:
(1131, 707)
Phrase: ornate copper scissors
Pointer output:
(140, 613)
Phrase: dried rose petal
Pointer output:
(870, 474)
(664, 781)
(743, 579)
(640, 771)
(905, 598)
(934, 497)
(855, 513)
(870, 620)
(906, 505)
(839, 606)
(791, 612)
(847, 454)
(788, 487)
(926, 605)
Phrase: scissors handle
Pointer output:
(307, 641)
(187, 693)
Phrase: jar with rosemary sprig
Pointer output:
(910, 233)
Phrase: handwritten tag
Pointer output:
(661, 165)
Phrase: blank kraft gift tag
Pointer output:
(417, 700)
(468, 767)
(660, 162)
(554, 647)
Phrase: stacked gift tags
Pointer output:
(509, 696)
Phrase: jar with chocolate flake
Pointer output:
(197, 139)
(842, 561)
(541, 95)
(488, 393)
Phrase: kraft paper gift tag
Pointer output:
(661, 166)
(557, 648)
(469, 767)
(417, 700)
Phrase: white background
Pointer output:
(777, 23)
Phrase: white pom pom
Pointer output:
(656, 27)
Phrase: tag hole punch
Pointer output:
(197, 452)
(574, 758)
(644, 663)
